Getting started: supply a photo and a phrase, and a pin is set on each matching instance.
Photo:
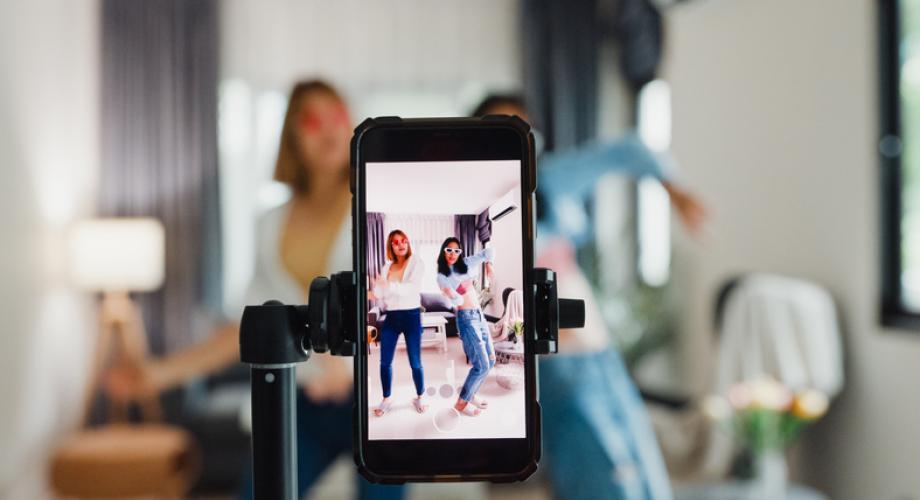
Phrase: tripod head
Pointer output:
(279, 334)
(275, 334)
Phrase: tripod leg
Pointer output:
(274, 433)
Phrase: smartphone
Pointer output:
(443, 220)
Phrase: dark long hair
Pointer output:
(443, 266)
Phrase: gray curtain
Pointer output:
(376, 241)
(159, 147)
(484, 227)
(561, 45)
(465, 231)
(638, 28)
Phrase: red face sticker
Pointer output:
(312, 121)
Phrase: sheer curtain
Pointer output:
(422, 229)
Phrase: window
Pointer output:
(899, 149)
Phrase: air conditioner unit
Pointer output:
(504, 206)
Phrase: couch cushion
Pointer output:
(436, 302)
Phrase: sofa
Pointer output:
(432, 304)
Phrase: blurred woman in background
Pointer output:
(598, 438)
(308, 236)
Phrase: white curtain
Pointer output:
(421, 229)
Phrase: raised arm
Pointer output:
(576, 172)
(484, 255)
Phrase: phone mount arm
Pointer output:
(552, 313)
(274, 337)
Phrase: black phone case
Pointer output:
(528, 198)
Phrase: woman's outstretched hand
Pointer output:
(690, 209)
(128, 382)
(334, 382)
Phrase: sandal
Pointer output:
(419, 405)
(384, 408)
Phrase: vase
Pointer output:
(771, 475)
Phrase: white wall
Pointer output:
(506, 240)
(775, 119)
(48, 166)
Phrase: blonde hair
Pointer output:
(290, 168)
(397, 232)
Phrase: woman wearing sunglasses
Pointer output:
(399, 286)
(455, 278)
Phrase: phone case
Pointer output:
(529, 159)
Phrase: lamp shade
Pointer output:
(117, 254)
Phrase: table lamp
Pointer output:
(114, 257)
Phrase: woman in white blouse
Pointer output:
(399, 286)
(307, 237)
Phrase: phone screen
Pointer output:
(443, 232)
(444, 257)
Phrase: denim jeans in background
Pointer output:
(409, 323)
(324, 433)
(477, 345)
(597, 438)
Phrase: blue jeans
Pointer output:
(597, 437)
(409, 323)
(477, 345)
(324, 432)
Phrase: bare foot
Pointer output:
(419, 404)
(466, 409)
(482, 404)
(383, 408)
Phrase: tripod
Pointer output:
(274, 337)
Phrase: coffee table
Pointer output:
(507, 351)
(434, 334)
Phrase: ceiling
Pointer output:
(443, 187)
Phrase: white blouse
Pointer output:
(270, 279)
(404, 294)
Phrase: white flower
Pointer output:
(716, 408)
(810, 404)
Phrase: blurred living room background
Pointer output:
(791, 120)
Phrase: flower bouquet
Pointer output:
(765, 416)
